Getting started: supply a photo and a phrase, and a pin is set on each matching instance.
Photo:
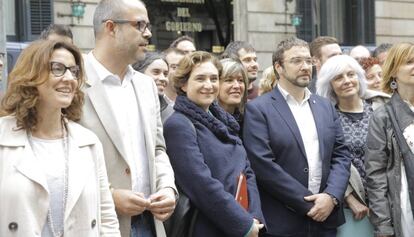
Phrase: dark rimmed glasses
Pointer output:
(139, 25)
(59, 69)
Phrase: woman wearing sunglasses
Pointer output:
(53, 179)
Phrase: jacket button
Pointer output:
(127, 171)
(13, 226)
(305, 170)
(93, 223)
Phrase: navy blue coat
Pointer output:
(278, 158)
(207, 160)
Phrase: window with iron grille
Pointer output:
(32, 17)
(305, 30)
(40, 15)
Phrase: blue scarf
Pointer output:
(221, 124)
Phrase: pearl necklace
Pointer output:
(65, 144)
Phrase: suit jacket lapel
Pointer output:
(318, 116)
(99, 100)
(145, 118)
(284, 111)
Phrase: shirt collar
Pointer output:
(104, 73)
(287, 96)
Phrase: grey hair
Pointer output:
(333, 67)
(106, 10)
(231, 67)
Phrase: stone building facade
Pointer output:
(263, 23)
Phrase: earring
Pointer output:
(393, 85)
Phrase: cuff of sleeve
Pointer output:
(349, 190)
(176, 195)
(384, 230)
(250, 230)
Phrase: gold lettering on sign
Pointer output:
(183, 26)
(183, 12)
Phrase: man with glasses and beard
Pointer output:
(296, 147)
(122, 108)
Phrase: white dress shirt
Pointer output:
(304, 120)
(124, 104)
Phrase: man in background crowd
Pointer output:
(57, 32)
(184, 43)
(245, 52)
(321, 49)
(359, 52)
(173, 57)
(381, 52)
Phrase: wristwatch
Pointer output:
(334, 200)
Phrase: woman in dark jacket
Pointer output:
(207, 155)
(389, 158)
(233, 88)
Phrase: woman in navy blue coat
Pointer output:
(206, 153)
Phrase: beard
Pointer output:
(299, 81)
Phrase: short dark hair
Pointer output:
(381, 48)
(283, 46)
(316, 45)
(150, 57)
(233, 48)
(62, 30)
(181, 39)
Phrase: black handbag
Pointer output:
(181, 223)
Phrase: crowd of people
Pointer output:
(180, 143)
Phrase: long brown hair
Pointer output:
(31, 70)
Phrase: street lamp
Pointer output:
(296, 19)
(78, 10)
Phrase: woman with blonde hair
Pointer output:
(389, 158)
(53, 178)
(268, 80)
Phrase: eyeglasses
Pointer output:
(139, 25)
(299, 61)
(59, 69)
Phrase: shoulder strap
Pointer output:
(402, 143)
